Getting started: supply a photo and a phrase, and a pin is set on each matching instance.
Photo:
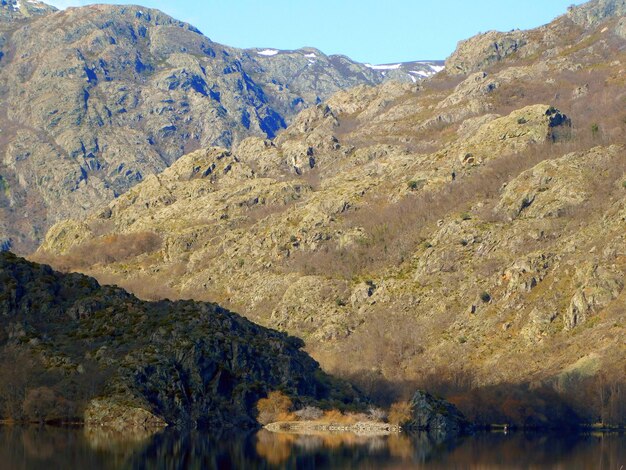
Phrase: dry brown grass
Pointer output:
(108, 249)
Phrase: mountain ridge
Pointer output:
(96, 98)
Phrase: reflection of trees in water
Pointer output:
(40, 445)
(43, 448)
(276, 448)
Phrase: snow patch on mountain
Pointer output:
(384, 66)
(268, 52)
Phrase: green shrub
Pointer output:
(485, 297)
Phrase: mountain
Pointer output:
(74, 347)
(97, 98)
(465, 233)
(12, 10)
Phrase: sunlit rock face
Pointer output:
(97, 98)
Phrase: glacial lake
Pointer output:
(50, 448)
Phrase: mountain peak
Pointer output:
(596, 11)
(18, 9)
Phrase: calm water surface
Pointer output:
(51, 448)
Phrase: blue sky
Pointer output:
(374, 31)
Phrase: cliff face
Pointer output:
(125, 362)
(95, 99)
(467, 231)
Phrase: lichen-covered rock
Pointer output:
(109, 414)
(601, 284)
(483, 50)
(554, 186)
(435, 416)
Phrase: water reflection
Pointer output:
(50, 448)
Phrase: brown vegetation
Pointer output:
(399, 412)
(276, 407)
(42, 404)
(30, 392)
(108, 249)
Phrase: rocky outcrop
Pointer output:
(484, 50)
(596, 11)
(553, 187)
(436, 416)
(109, 414)
(601, 285)
(621, 28)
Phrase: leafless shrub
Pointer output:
(309, 413)
(43, 404)
(377, 414)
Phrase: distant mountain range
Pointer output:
(94, 99)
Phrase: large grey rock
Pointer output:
(596, 11)
(436, 416)
(483, 50)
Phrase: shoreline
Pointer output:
(367, 428)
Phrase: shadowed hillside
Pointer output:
(71, 348)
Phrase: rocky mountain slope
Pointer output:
(123, 362)
(466, 233)
(97, 98)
